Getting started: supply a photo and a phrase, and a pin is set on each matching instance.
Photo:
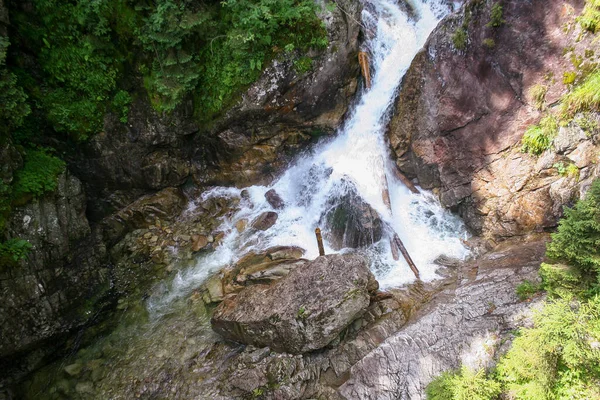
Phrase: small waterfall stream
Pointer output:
(358, 156)
(161, 341)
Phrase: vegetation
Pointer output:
(459, 38)
(489, 43)
(75, 61)
(538, 94)
(538, 138)
(527, 289)
(559, 357)
(496, 16)
(464, 384)
(590, 18)
(584, 97)
(567, 170)
(13, 250)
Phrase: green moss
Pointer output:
(489, 43)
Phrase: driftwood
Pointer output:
(404, 252)
(320, 242)
(407, 182)
(363, 61)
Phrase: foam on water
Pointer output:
(358, 155)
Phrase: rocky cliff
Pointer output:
(128, 178)
(466, 102)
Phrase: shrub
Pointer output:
(465, 384)
(13, 250)
(538, 138)
(527, 290)
(590, 18)
(39, 174)
(12, 97)
(303, 64)
(496, 18)
(538, 95)
(558, 357)
(459, 38)
(577, 240)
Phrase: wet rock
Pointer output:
(74, 369)
(350, 222)
(200, 242)
(240, 225)
(265, 221)
(265, 267)
(84, 388)
(214, 289)
(274, 199)
(166, 204)
(303, 311)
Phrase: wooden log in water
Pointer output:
(320, 242)
(363, 61)
(394, 248)
(407, 257)
(407, 182)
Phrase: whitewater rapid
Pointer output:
(357, 154)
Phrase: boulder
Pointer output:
(265, 220)
(303, 311)
(274, 199)
(350, 222)
(200, 242)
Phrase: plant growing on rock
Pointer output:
(527, 290)
(538, 95)
(590, 18)
(538, 138)
(584, 97)
(459, 38)
(496, 16)
(465, 384)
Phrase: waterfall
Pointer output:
(357, 154)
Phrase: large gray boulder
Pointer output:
(302, 312)
(350, 222)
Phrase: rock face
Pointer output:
(302, 312)
(350, 222)
(466, 328)
(461, 114)
(46, 294)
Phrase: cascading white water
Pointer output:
(357, 154)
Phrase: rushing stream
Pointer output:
(356, 156)
(169, 331)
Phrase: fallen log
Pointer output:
(407, 257)
(320, 242)
(363, 61)
(407, 182)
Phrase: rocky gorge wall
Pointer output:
(461, 114)
(130, 178)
